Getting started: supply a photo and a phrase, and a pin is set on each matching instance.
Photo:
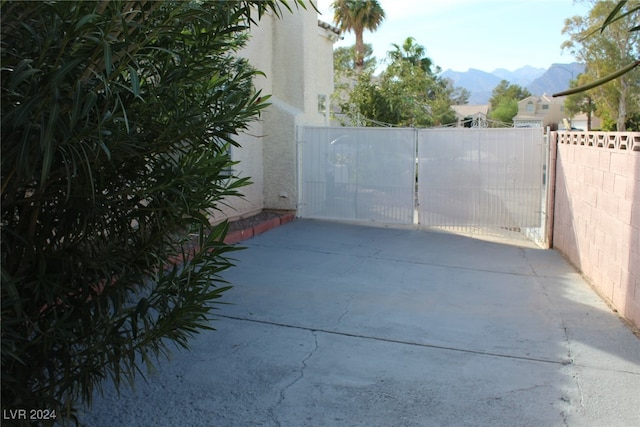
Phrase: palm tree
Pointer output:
(357, 16)
(411, 52)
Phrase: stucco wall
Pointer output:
(280, 190)
(296, 56)
(597, 212)
(249, 158)
(250, 153)
(300, 71)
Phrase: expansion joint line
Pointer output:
(394, 341)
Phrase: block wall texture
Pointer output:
(597, 212)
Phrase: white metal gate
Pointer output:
(357, 174)
(485, 181)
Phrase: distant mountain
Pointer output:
(478, 82)
(555, 79)
(538, 80)
(522, 76)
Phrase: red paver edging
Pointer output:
(287, 218)
(240, 235)
(231, 238)
(266, 226)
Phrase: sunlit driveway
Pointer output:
(343, 325)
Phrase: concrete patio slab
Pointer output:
(335, 324)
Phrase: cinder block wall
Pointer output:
(597, 212)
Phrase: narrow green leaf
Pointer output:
(107, 57)
(135, 81)
(21, 73)
(23, 113)
(142, 307)
(77, 104)
(90, 102)
(612, 15)
(124, 114)
(47, 142)
(9, 286)
(84, 20)
(65, 69)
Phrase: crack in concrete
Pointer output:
(235, 348)
(545, 291)
(299, 377)
(346, 310)
(353, 295)
(523, 252)
(565, 333)
(573, 409)
(576, 377)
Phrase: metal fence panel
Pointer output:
(482, 180)
(357, 174)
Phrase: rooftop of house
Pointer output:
(467, 110)
(329, 27)
(543, 99)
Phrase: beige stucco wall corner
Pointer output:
(248, 156)
(295, 53)
(279, 155)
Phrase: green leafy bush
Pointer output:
(117, 117)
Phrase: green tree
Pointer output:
(357, 16)
(364, 103)
(619, 12)
(609, 47)
(506, 90)
(345, 77)
(442, 97)
(406, 85)
(504, 111)
(117, 118)
(580, 102)
(458, 95)
(504, 101)
(407, 93)
(344, 59)
(411, 54)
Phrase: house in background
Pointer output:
(295, 52)
(471, 115)
(580, 122)
(540, 111)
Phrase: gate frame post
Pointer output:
(416, 181)
(299, 157)
(552, 155)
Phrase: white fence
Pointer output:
(487, 181)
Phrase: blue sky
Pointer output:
(481, 34)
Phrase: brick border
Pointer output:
(237, 236)
(248, 233)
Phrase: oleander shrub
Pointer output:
(117, 118)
